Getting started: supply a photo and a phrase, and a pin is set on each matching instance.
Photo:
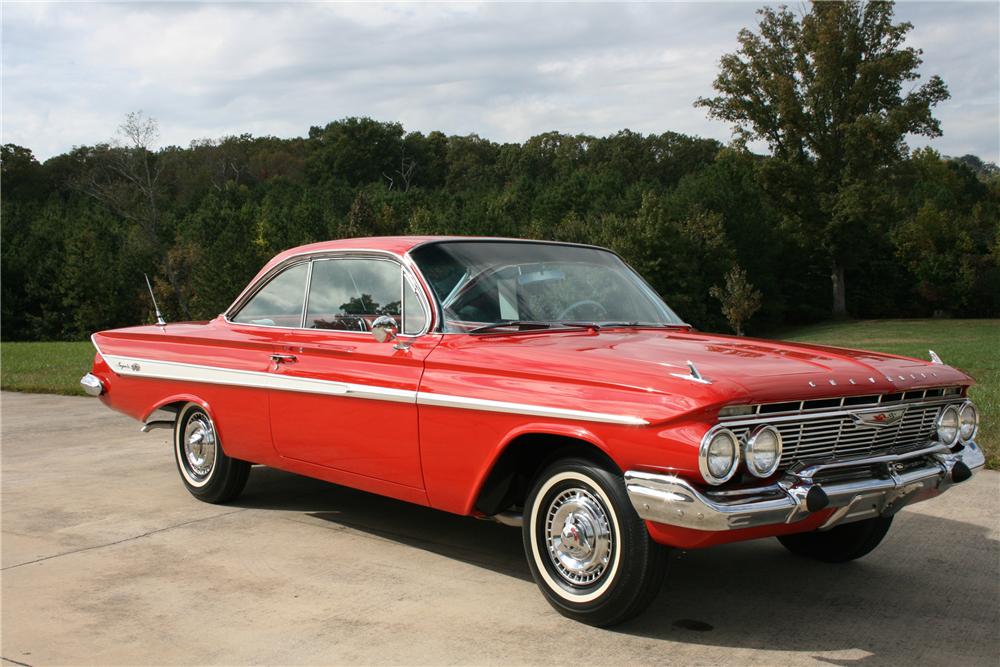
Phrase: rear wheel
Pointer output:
(588, 550)
(841, 543)
(205, 469)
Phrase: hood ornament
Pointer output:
(935, 359)
(694, 375)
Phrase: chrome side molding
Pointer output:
(149, 426)
(164, 418)
(512, 519)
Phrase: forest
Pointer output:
(80, 229)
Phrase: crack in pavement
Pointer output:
(14, 662)
(127, 539)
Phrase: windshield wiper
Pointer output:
(542, 325)
(533, 325)
(633, 323)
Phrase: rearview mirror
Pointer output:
(384, 329)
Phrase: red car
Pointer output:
(543, 385)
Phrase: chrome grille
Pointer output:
(837, 435)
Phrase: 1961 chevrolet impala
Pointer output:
(544, 385)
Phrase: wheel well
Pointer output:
(516, 468)
(167, 411)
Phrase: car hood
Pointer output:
(731, 367)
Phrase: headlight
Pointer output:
(947, 426)
(763, 451)
(968, 422)
(719, 456)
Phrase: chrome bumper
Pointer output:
(92, 385)
(670, 500)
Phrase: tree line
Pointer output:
(716, 229)
(78, 232)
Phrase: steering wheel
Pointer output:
(585, 302)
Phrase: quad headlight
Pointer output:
(968, 422)
(719, 455)
(948, 425)
(763, 451)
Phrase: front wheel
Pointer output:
(588, 550)
(841, 543)
(206, 471)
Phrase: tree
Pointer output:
(356, 151)
(740, 299)
(824, 91)
(360, 219)
(127, 180)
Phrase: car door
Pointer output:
(356, 410)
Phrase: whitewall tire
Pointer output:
(589, 552)
(206, 471)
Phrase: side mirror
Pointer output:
(384, 329)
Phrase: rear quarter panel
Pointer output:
(240, 413)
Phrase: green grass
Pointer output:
(45, 368)
(971, 345)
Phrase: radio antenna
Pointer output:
(159, 316)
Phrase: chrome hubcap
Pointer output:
(199, 446)
(578, 536)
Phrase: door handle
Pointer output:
(283, 358)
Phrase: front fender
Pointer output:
(575, 432)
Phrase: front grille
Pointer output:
(837, 435)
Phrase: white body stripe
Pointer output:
(442, 400)
(174, 370)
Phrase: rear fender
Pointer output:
(177, 398)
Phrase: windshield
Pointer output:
(482, 283)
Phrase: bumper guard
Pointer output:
(92, 385)
(668, 499)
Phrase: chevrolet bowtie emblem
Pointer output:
(879, 418)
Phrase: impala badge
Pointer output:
(879, 418)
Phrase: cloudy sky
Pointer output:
(504, 71)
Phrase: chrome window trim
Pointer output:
(313, 255)
(408, 282)
(260, 285)
(305, 296)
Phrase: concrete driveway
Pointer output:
(107, 559)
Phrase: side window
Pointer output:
(414, 317)
(348, 294)
(279, 303)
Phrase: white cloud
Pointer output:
(504, 71)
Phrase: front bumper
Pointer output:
(900, 480)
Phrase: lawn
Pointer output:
(971, 345)
(46, 368)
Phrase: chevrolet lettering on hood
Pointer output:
(544, 386)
